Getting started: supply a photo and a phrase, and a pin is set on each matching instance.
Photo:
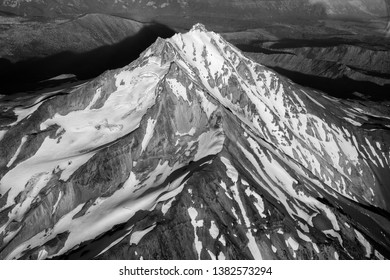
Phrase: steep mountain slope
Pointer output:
(193, 151)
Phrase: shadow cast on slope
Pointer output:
(26, 75)
(342, 87)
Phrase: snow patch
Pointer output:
(364, 242)
(292, 243)
(62, 77)
(379, 255)
(15, 156)
(222, 240)
(178, 89)
(252, 244)
(193, 214)
(57, 202)
(221, 256)
(336, 255)
(136, 237)
(2, 133)
(24, 112)
(332, 233)
(114, 243)
(95, 98)
(190, 133)
(353, 122)
(209, 143)
(166, 206)
(148, 134)
(42, 254)
(214, 231)
(259, 204)
(212, 256)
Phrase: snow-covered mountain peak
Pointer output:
(193, 135)
(199, 27)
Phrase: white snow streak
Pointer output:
(193, 214)
(136, 237)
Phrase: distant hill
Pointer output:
(244, 9)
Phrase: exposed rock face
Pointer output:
(194, 151)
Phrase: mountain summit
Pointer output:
(193, 151)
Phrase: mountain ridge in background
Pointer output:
(247, 8)
(313, 42)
